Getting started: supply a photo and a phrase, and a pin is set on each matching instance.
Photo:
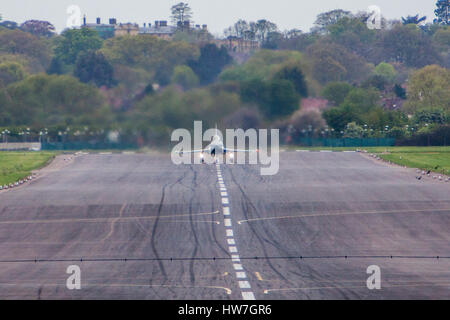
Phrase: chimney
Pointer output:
(98, 21)
(113, 21)
(84, 20)
(156, 24)
(145, 25)
(205, 27)
(163, 23)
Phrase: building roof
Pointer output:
(157, 30)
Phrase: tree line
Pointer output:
(340, 79)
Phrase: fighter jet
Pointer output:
(216, 147)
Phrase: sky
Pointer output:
(217, 14)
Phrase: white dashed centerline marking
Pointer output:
(248, 296)
(243, 283)
(235, 258)
(238, 266)
(233, 249)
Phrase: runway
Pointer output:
(140, 227)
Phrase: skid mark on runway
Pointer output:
(116, 285)
(329, 214)
(102, 220)
(114, 222)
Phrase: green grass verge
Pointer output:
(434, 161)
(18, 165)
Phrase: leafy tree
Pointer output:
(253, 91)
(442, 12)
(338, 117)
(352, 130)
(163, 74)
(281, 99)
(9, 25)
(56, 66)
(429, 88)
(275, 98)
(413, 19)
(408, 44)
(385, 70)
(307, 120)
(326, 19)
(240, 29)
(92, 67)
(263, 28)
(353, 34)
(38, 28)
(375, 81)
(332, 62)
(185, 77)
(181, 13)
(430, 116)
(362, 100)
(19, 43)
(397, 133)
(399, 91)
(76, 41)
(44, 100)
(272, 40)
(210, 63)
(11, 72)
(262, 65)
(298, 42)
(442, 38)
(244, 118)
(149, 53)
(293, 72)
(336, 92)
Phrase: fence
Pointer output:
(347, 142)
(86, 146)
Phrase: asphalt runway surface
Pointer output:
(140, 227)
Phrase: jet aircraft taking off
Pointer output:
(216, 147)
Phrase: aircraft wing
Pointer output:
(239, 150)
(190, 151)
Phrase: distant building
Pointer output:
(126, 29)
(240, 45)
(105, 31)
(160, 29)
(112, 29)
